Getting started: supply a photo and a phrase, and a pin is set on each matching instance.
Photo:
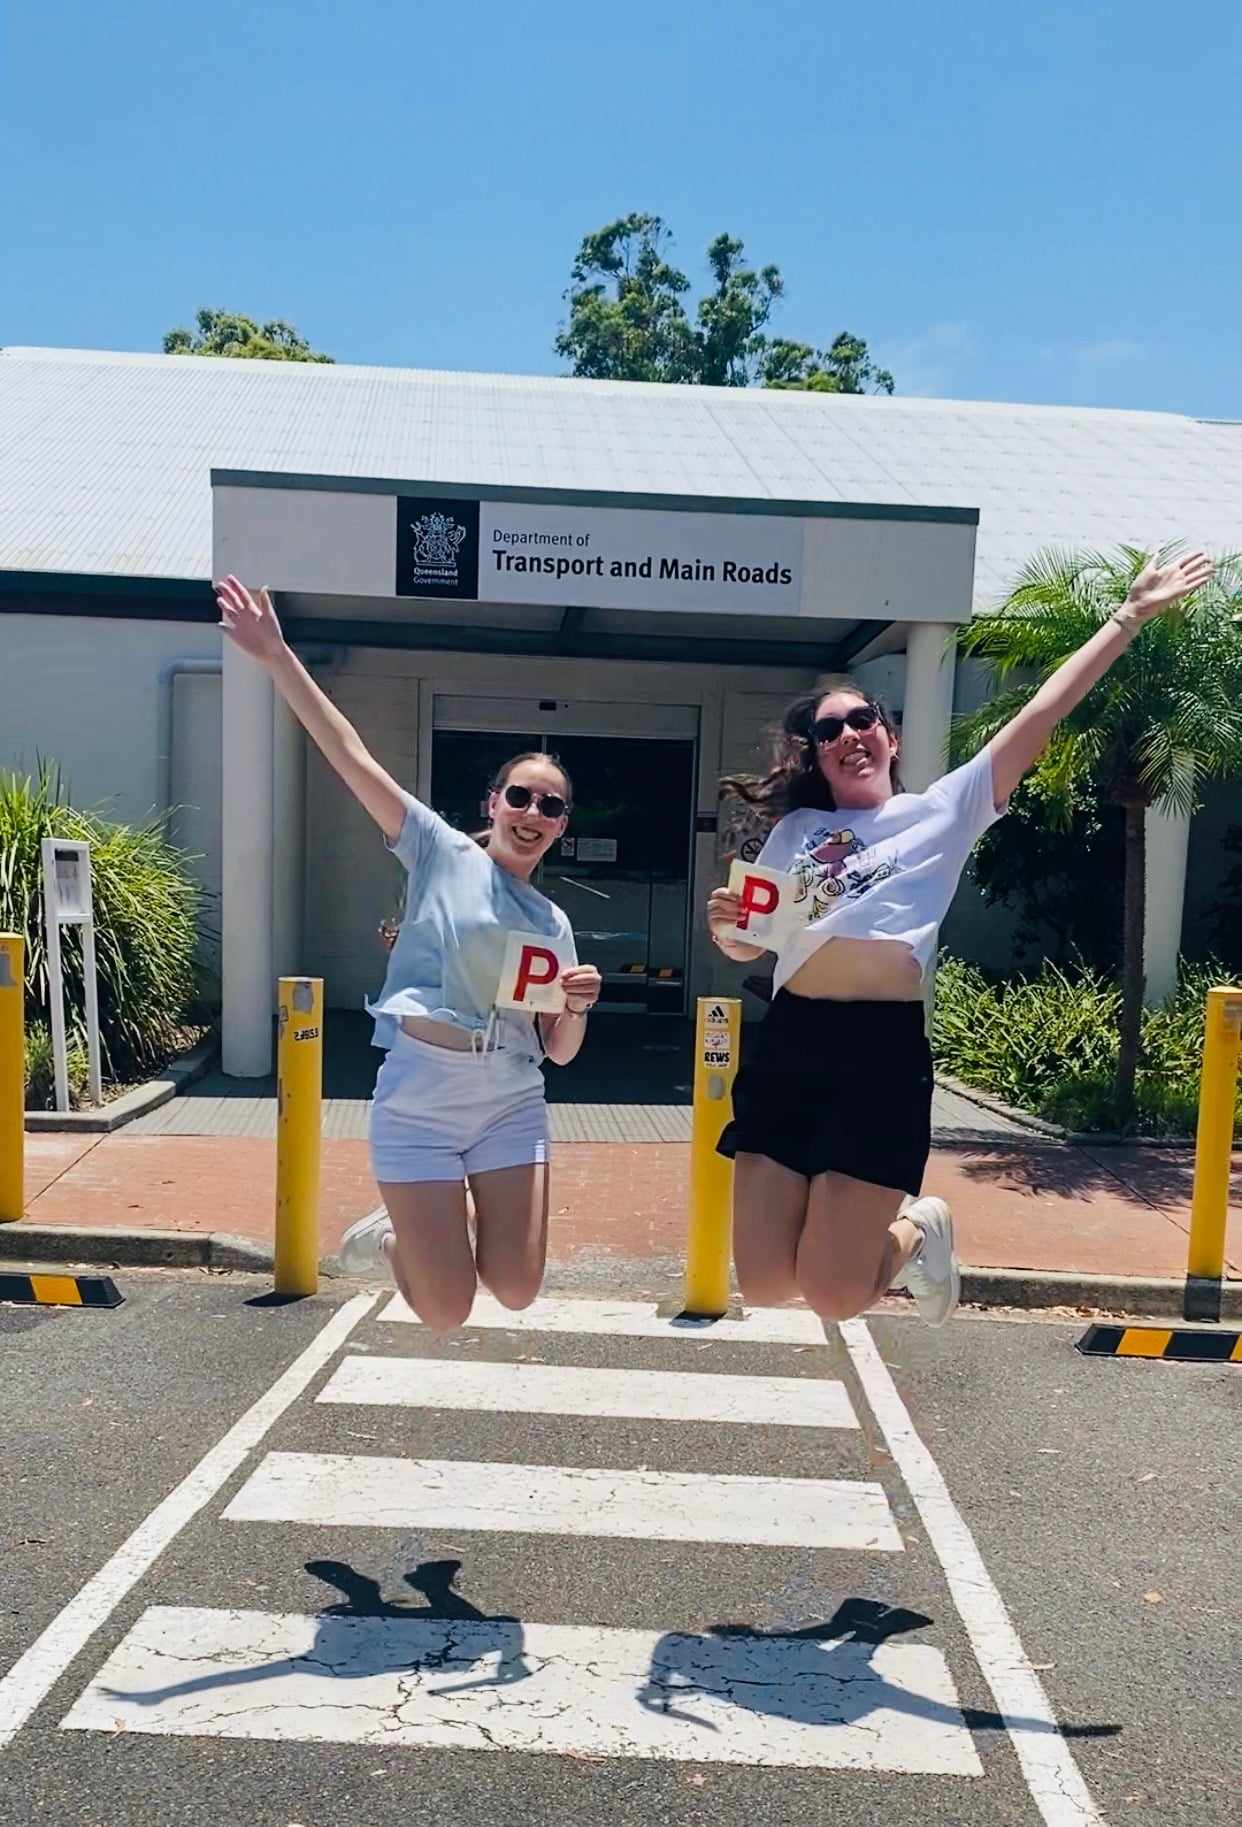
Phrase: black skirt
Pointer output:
(836, 1087)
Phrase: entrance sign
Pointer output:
(72, 892)
(594, 557)
(597, 849)
(770, 915)
(67, 902)
(530, 978)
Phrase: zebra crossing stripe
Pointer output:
(632, 1320)
(554, 1389)
(502, 1685)
(36, 1671)
(360, 1491)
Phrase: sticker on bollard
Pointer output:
(60, 1290)
(717, 1038)
(1168, 1343)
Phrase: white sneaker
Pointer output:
(362, 1246)
(932, 1274)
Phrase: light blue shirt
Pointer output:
(459, 912)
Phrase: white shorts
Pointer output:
(442, 1115)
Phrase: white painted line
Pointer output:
(632, 1320)
(358, 1491)
(554, 1389)
(1052, 1776)
(499, 1685)
(34, 1674)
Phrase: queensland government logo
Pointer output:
(437, 547)
(437, 540)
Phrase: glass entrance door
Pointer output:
(622, 872)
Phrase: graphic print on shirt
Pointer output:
(821, 874)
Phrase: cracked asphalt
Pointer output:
(1102, 1494)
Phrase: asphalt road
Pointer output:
(732, 1648)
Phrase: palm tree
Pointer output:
(1166, 716)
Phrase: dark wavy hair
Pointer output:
(795, 779)
(501, 776)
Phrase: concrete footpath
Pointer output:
(1046, 1207)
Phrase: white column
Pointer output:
(931, 659)
(1168, 837)
(246, 885)
(289, 821)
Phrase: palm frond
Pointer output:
(1071, 756)
(1168, 711)
(972, 730)
(1168, 773)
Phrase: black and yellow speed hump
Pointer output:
(60, 1290)
(1165, 1342)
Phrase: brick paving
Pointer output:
(620, 1122)
(1018, 1205)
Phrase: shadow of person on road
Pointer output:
(823, 1674)
(351, 1640)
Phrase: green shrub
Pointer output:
(1019, 1038)
(41, 1069)
(1048, 1044)
(1087, 1102)
(146, 911)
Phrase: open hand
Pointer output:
(1158, 587)
(582, 984)
(249, 619)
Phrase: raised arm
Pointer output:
(1020, 743)
(250, 621)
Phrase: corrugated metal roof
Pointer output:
(105, 459)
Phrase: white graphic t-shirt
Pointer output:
(886, 873)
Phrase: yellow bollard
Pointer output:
(299, 1118)
(12, 1074)
(709, 1247)
(1205, 1259)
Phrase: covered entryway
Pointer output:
(623, 871)
(650, 641)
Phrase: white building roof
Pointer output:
(105, 459)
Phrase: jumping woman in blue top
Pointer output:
(460, 1095)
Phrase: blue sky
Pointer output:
(1009, 201)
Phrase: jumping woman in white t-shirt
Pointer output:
(460, 1095)
(832, 1110)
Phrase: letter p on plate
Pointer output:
(537, 967)
(758, 897)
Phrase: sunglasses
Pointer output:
(548, 805)
(826, 730)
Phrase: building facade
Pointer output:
(636, 577)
